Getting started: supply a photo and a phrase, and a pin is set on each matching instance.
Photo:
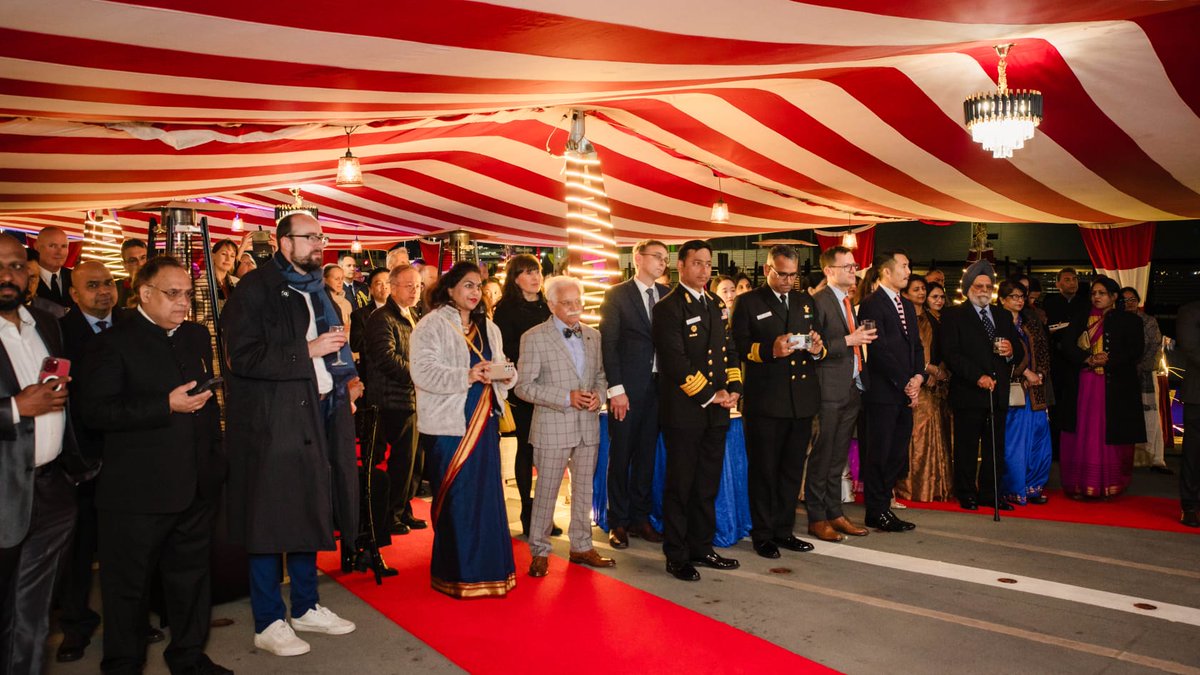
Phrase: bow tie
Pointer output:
(577, 332)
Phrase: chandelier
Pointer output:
(1001, 121)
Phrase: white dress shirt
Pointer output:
(26, 352)
(324, 379)
(841, 302)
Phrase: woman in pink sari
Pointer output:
(1101, 428)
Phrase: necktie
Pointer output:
(101, 326)
(850, 323)
(650, 302)
(987, 323)
(576, 331)
(783, 301)
(903, 321)
(54, 287)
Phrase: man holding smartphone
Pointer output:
(164, 467)
(39, 465)
(773, 327)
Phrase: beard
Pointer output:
(310, 264)
(16, 301)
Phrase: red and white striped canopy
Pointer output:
(814, 114)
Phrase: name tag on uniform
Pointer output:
(762, 316)
(694, 319)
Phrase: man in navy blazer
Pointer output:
(628, 351)
(895, 367)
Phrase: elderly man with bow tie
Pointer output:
(562, 374)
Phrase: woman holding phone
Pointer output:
(462, 379)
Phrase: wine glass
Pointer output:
(338, 328)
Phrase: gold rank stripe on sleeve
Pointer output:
(694, 383)
(733, 374)
(754, 355)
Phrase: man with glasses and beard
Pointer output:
(39, 466)
(293, 472)
(163, 470)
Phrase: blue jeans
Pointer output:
(266, 573)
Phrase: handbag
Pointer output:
(508, 423)
(1016, 395)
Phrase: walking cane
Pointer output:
(995, 480)
(369, 461)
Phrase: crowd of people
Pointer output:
(114, 449)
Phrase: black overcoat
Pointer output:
(290, 483)
(1124, 340)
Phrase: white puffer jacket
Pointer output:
(440, 363)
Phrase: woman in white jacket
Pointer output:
(453, 349)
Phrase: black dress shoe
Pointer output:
(1164, 470)
(885, 522)
(683, 571)
(154, 635)
(1038, 499)
(413, 523)
(399, 527)
(1190, 518)
(205, 666)
(71, 650)
(555, 531)
(717, 562)
(904, 524)
(793, 543)
(766, 549)
(968, 503)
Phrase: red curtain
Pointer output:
(1121, 251)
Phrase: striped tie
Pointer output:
(903, 321)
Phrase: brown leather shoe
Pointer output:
(618, 537)
(842, 524)
(591, 559)
(540, 566)
(821, 529)
(647, 532)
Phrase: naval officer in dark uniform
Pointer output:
(773, 328)
(699, 382)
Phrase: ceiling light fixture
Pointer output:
(1001, 121)
(237, 223)
(720, 210)
(349, 172)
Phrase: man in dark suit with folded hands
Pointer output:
(782, 396)
(699, 382)
(163, 470)
(980, 347)
(631, 368)
(895, 365)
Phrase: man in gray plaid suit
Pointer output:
(562, 374)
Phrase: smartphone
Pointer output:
(800, 341)
(54, 368)
(501, 371)
(205, 386)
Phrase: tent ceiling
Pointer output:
(814, 114)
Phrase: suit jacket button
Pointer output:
(793, 362)
(803, 377)
(303, 403)
(710, 351)
(793, 377)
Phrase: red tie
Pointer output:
(850, 322)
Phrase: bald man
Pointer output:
(52, 248)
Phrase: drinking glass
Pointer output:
(338, 329)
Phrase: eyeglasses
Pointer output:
(657, 256)
(982, 287)
(1016, 296)
(175, 294)
(314, 239)
(849, 267)
(785, 276)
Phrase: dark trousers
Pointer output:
(523, 464)
(776, 448)
(266, 574)
(695, 457)
(399, 428)
(77, 620)
(827, 462)
(27, 573)
(132, 546)
(1189, 468)
(632, 446)
(972, 427)
(884, 456)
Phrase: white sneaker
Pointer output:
(280, 640)
(321, 620)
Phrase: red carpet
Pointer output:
(1142, 513)
(575, 619)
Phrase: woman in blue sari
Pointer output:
(458, 405)
(1027, 449)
